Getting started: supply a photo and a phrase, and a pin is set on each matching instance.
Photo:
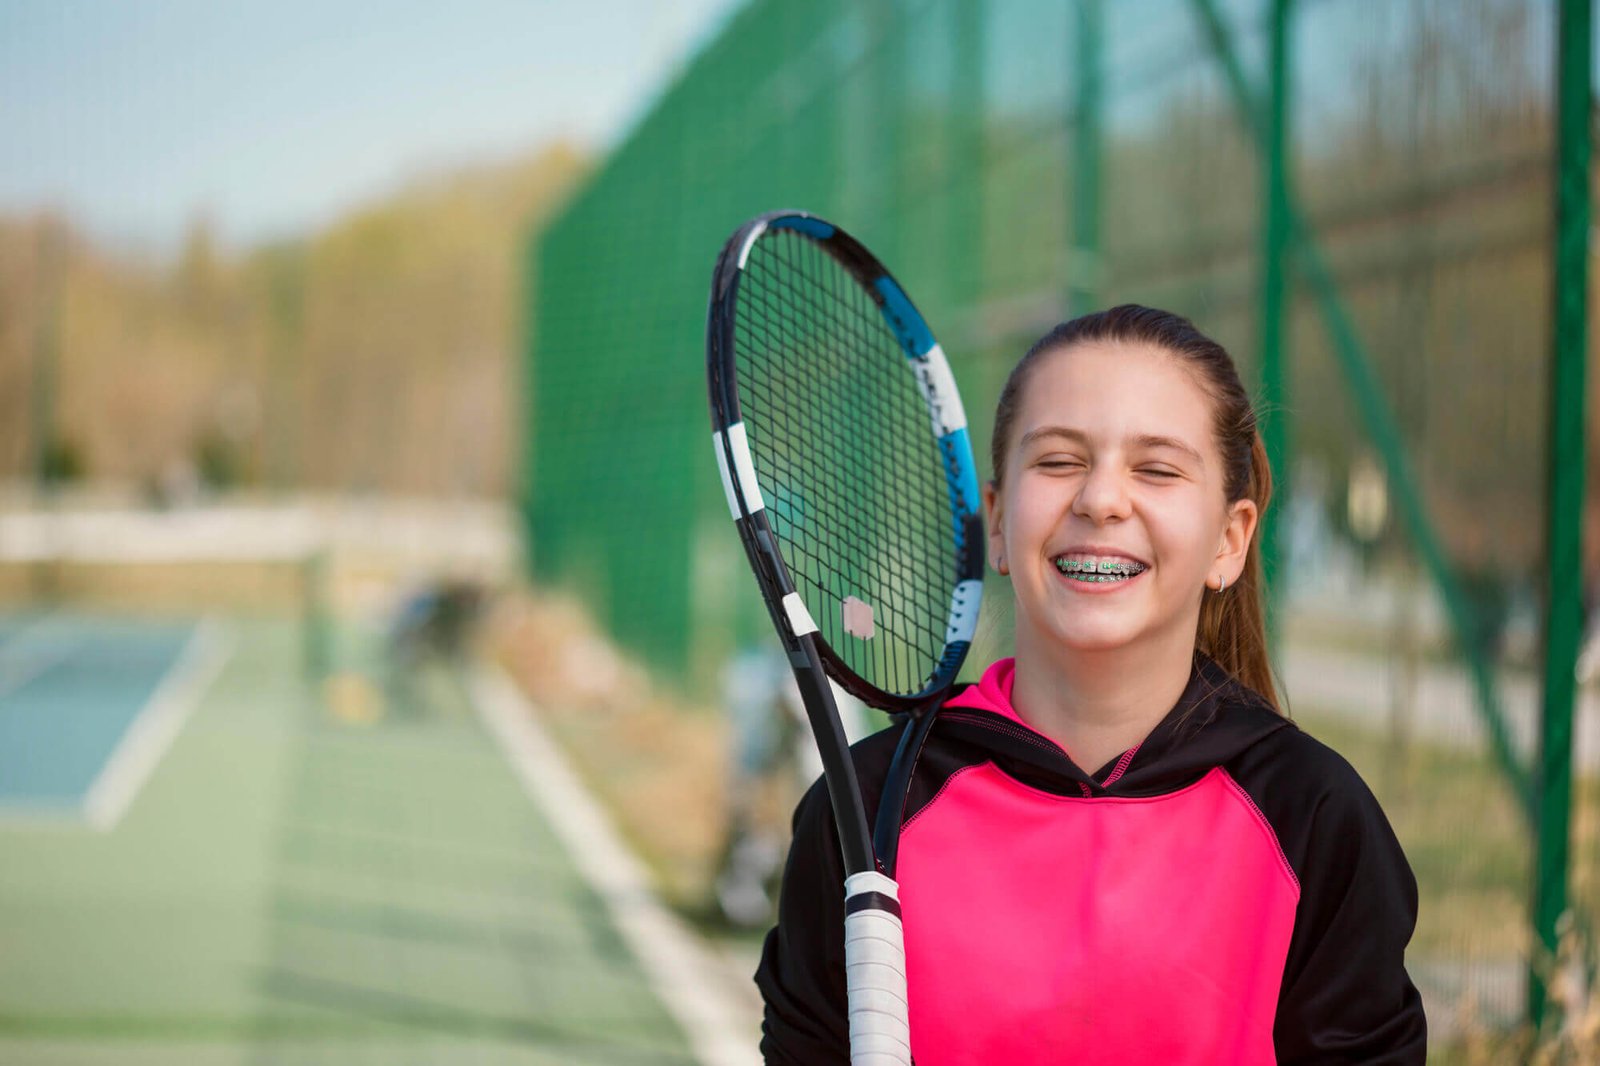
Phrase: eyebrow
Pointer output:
(1143, 440)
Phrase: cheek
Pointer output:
(1186, 537)
(1031, 517)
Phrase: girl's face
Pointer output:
(1111, 517)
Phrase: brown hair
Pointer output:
(1232, 624)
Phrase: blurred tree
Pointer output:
(378, 354)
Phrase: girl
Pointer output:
(1116, 846)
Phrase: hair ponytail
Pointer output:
(1232, 628)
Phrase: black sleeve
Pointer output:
(1346, 996)
(801, 975)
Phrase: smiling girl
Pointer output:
(1116, 846)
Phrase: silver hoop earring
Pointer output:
(1222, 583)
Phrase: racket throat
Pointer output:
(839, 769)
(897, 788)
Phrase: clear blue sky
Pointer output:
(273, 117)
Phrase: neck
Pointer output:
(1099, 703)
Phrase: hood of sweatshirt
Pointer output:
(1214, 719)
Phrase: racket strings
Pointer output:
(891, 372)
(853, 479)
(905, 443)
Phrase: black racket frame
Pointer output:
(812, 660)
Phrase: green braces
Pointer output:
(1105, 566)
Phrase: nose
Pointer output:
(1102, 495)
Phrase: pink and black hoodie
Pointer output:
(1226, 892)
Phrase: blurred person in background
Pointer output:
(772, 759)
(433, 624)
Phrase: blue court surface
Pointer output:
(71, 688)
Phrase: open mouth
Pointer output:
(1098, 570)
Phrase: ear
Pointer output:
(993, 517)
(1242, 519)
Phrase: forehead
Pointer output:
(1115, 391)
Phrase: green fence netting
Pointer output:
(1015, 162)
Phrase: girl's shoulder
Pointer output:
(1293, 762)
(1317, 804)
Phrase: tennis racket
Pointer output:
(844, 454)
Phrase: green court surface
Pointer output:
(295, 885)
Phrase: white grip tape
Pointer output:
(871, 881)
(733, 440)
(800, 620)
(875, 975)
(939, 390)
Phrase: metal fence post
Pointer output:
(1274, 253)
(966, 169)
(1564, 517)
(1083, 262)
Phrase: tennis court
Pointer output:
(280, 882)
(89, 705)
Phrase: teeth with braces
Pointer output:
(1103, 566)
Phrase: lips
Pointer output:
(1099, 551)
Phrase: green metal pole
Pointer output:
(830, 138)
(538, 472)
(1084, 264)
(1274, 289)
(1565, 461)
(46, 360)
(286, 298)
(966, 170)
(44, 577)
(316, 618)
(890, 70)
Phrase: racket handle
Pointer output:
(875, 972)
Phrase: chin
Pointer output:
(1096, 641)
(1093, 637)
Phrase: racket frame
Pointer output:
(928, 361)
(874, 937)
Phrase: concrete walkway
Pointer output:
(1361, 688)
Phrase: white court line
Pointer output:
(150, 734)
(682, 973)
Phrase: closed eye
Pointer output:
(1159, 473)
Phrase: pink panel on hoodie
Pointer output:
(1138, 930)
